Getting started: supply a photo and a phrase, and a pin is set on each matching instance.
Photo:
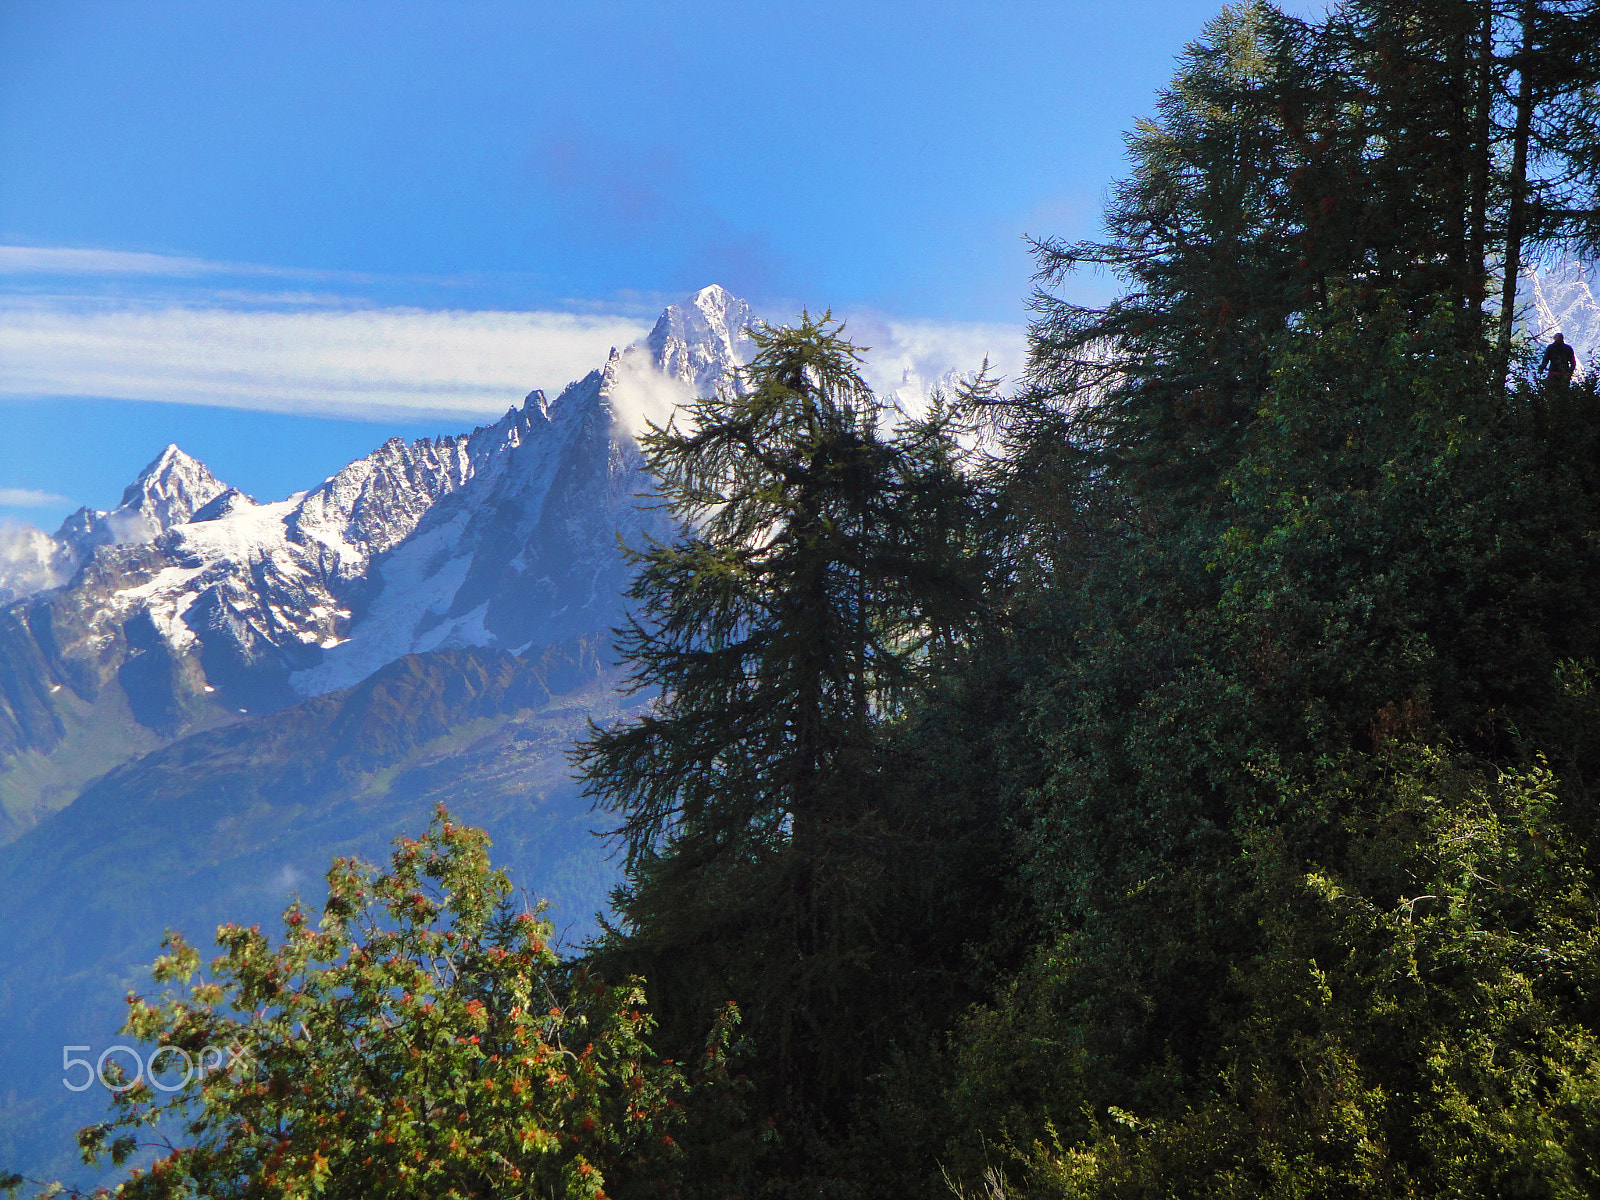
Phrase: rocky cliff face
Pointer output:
(170, 491)
(191, 605)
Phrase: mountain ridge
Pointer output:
(192, 605)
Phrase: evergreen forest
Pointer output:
(1166, 774)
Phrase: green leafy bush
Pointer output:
(422, 1038)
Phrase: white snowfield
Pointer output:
(505, 536)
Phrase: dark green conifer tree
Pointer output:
(1369, 542)
(1547, 83)
(1204, 232)
(1412, 151)
(822, 562)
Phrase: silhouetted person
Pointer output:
(1558, 362)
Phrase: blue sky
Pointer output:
(279, 232)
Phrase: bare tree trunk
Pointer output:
(1516, 217)
(1482, 166)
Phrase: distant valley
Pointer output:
(204, 698)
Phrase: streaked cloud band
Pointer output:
(112, 324)
(378, 364)
(67, 260)
(30, 498)
(368, 364)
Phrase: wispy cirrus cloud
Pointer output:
(76, 261)
(138, 326)
(29, 498)
(337, 354)
(66, 260)
(373, 364)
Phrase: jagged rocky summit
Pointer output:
(190, 604)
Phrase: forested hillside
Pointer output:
(1164, 775)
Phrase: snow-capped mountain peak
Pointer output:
(168, 492)
(172, 488)
(700, 341)
(695, 348)
(191, 602)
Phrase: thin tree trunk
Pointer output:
(1519, 188)
(1462, 160)
(1482, 165)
